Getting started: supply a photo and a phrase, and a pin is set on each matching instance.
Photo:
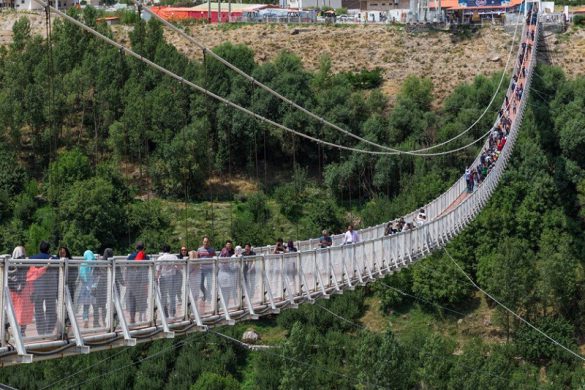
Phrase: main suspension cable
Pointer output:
(319, 118)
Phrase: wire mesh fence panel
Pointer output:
(88, 285)
(360, 258)
(201, 283)
(169, 278)
(136, 293)
(291, 270)
(34, 294)
(252, 270)
(273, 267)
(348, 260)
(309, 271)
(377, 261)
(322, 258)
(228, 279)
(336, 254)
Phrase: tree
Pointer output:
(534, 347)
(90, 209)
(381, 361)
(509, 276)
(212, 381)
(435, 362)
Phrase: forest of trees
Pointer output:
(87, 133)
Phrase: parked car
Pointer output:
(345, 19)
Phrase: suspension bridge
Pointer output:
(128, 301)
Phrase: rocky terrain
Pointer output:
(446, 59)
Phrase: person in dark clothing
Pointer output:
(137, 291)
(290, 247)
(178, 283)
(45, 293)
(71, 272)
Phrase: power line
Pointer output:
(511, 311)
(230, 103)
(420, 299)
(148, 357)
(84, 369)
(282, 356)
(319, 118)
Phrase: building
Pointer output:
(383, 5)
(304, 4)
(214, 12)
(474, 10)
(29, 5)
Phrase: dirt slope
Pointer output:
(397, 52)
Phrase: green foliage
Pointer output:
(250, 223)
(381, 361)
(579, 20)
(212, 381)
(13, 177)
(534, 347)
(91, 214)
(365, 79)
(393, 298)
(436, 359)
(436, 281)
(150, 223)
(70, 167)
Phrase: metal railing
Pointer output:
(77, 306)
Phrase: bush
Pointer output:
(12, 175)
(212, 381)
(534, 347)
(579, 20)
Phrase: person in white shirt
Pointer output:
(165, 274)
(351, 236)
(421, 218)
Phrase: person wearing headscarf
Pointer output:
(21, 285)
(86, 296)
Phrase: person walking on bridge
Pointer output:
(351, 236)
(137, 281)
(45, 293)
(21, 286)
(165, 274)
(205, 251)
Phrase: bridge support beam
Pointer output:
(194, 309)
(226, 313)
(161, 311)
(251, 314)
(268, 293)
(23, 356)
(81, 347)
(320, 279)
(129, 341)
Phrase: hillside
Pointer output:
(352, 48)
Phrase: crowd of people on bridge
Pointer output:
(474, 176)
(34, 290)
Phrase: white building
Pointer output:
(29, 5)
(300, 4)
